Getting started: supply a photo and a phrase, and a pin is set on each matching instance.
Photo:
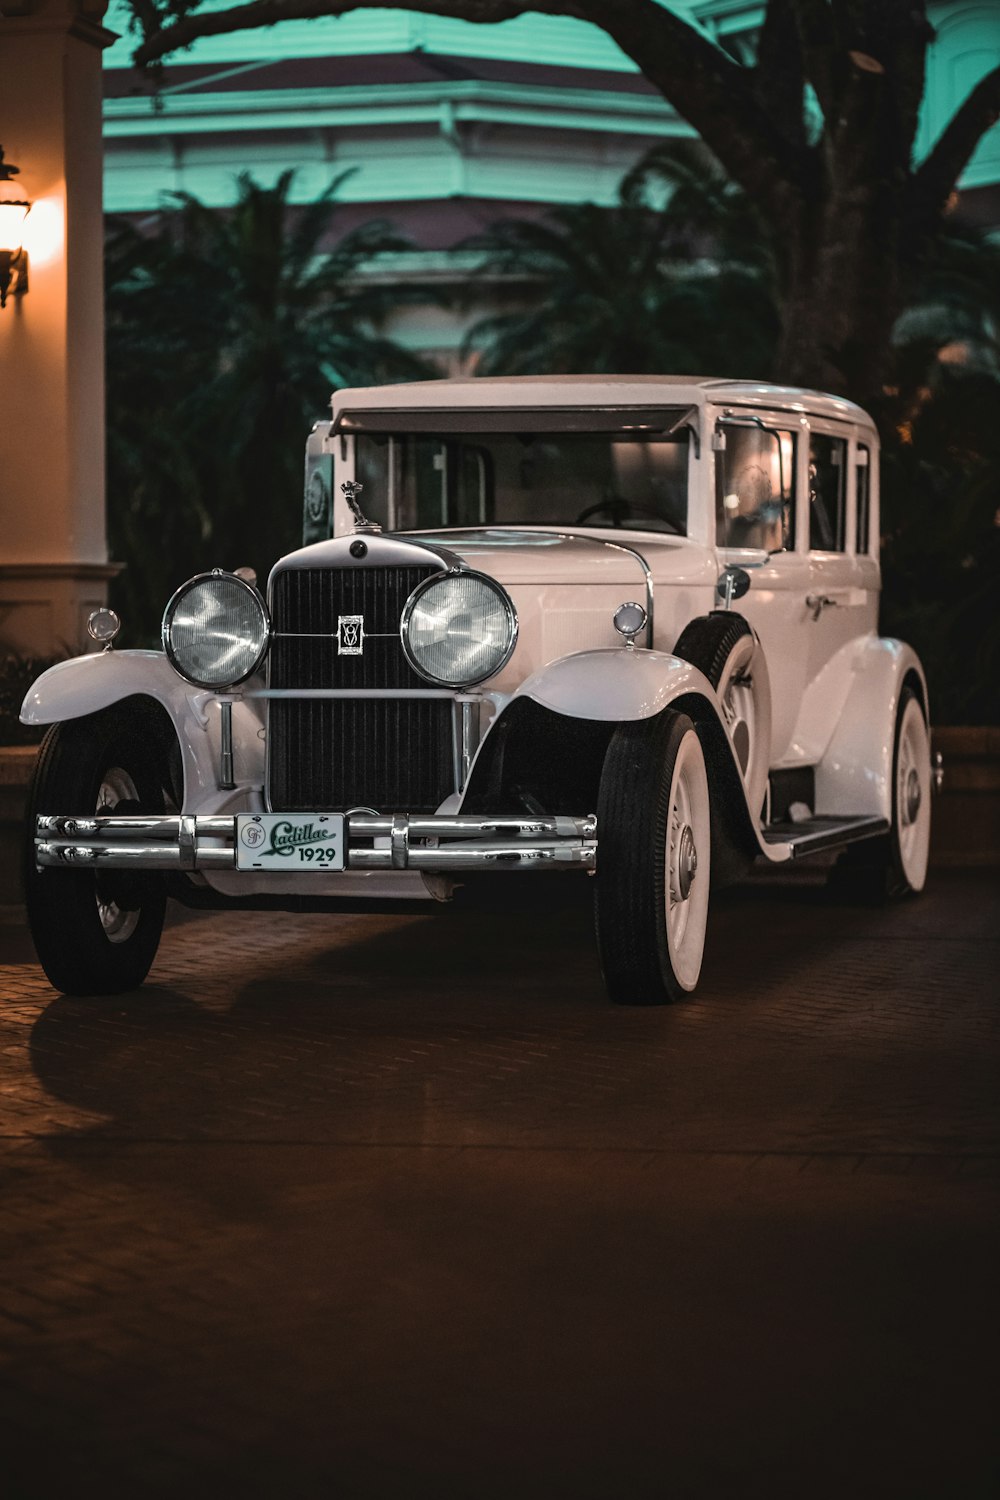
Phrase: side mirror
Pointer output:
(732, 583)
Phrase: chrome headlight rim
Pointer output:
(168, 614)
(414, 600)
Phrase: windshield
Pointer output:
(419, 480)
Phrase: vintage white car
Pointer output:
(620, 628)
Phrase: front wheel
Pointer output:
(95, 932)
(653, 859)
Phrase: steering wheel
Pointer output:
(620, 510)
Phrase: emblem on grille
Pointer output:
(350, 635)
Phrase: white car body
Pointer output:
(812, 767)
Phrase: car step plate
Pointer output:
(290, 841)
(815, 835)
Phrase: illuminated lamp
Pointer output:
(13, 256)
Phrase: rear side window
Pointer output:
(827, 492)
(863, 491)
(755, 494)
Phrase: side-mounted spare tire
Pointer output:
(95, 931)
(724, 647)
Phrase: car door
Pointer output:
(758, 478)
(842, 602)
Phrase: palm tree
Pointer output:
(676, 276)
(227, 330)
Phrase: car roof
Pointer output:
(490, 392)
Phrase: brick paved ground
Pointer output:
(400, 1207)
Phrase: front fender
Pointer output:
(854, 775)
(87, 684)
(548, 744)
(615, 684)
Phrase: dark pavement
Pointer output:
(399, 1206)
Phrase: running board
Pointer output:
(784, 841)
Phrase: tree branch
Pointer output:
(817, 38)
(706, 87)
(778, 78)
(933, 182)
(162, 39)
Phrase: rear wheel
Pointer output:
(654, 852)
(96, 932)
(911, 799)
(896, 865)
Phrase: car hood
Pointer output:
(557, 557)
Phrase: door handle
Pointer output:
(818, 602)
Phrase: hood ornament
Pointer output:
(352, 489)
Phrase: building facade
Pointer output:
(447, 127)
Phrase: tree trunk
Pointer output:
(840, 293)
(840, 250)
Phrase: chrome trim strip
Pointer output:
(479, 857)
(469, 743)
(647, 572)
(383, 693)
(132, 825)
(329, 635)
(466, 826)
(122, 856)
(226, 782)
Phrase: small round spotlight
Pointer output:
(102, 626)
(629, 619)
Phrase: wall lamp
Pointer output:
(13, 256)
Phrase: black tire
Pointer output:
(885, 869)
(96, 933)
(723, 646)
(650, 940)
(708, 642)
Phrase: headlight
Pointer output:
(458, 629)
(215, 630)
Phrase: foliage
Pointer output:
(226, 331)
(941, 544)
(941, 478)
(676, 276)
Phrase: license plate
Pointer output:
(290, 841)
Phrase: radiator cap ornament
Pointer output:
(352, 489)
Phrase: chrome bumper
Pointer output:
(189, 842)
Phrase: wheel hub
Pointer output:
(686, 866)
(912, 796)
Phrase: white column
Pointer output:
(53, 544)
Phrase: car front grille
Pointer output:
(388, 753)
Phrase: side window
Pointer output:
(827, 492)
(755, 489)
(862, 473)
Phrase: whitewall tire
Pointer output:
(653, 860)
